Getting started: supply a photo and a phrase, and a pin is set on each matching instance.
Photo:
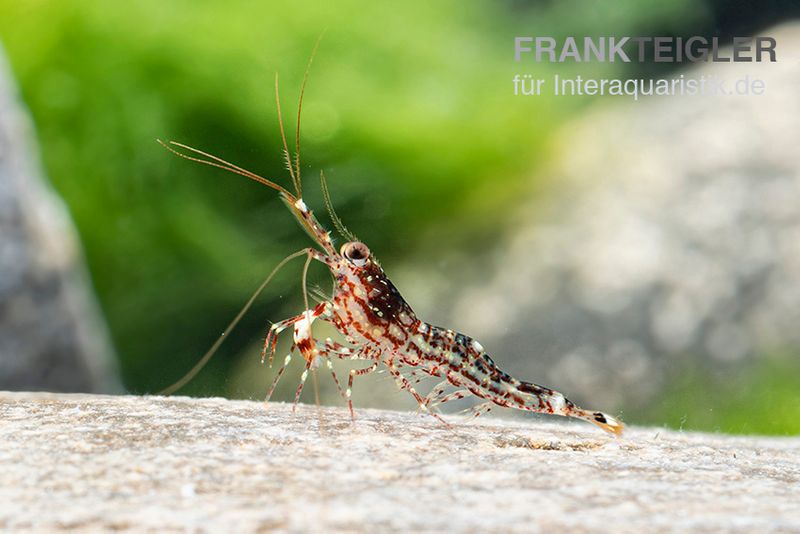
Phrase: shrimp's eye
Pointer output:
(356, 252)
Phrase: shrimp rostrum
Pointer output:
(380, 327)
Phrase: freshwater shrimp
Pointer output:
(377, 323)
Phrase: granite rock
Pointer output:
(52, 335)
(97, 463)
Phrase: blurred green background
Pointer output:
(408, 110)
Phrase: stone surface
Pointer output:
(52, 335)
(672, 240)
(177, 464)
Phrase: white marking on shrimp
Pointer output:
(302, 328)
(301, 205)
(395, 331)
(557, 402)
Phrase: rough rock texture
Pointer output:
(674, 233)
(178, 464)
(51, 333)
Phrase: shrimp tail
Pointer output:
(544, 400)
(608, 423)
(476, 371)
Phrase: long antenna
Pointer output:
(221, 339)
(286, 155)
(221, 164)
(300, 108)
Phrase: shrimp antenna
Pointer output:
(337, 222)
(300, 109)
(286, 155)
(220, 163)
(221, 339)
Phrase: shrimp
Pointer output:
(379, 326)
